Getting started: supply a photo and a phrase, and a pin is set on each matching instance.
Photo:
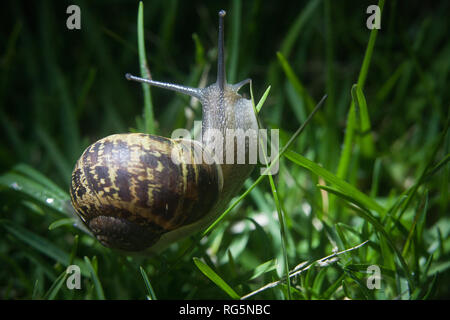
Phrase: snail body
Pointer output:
(139, 192)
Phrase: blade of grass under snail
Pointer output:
(149, 122)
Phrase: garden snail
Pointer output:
(133, 196)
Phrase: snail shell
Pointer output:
(128, 189)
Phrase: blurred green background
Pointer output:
(61, 90)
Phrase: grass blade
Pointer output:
(95, 279)
(294, 31)
(262, 100)
(263, 268)
(32, 173)
(366, 140)
(151, 294)
(59, 160)
(413, 190)
(60, 222)
(56, 286)
(343, 186)
(364, 213)
(283, 236)
(420, 215)
(278, 205)
(334, 286)
(344, 160)
(214, 277)
(298, 270)
(35, 294)
(34, 190)
(149, 121)
(37, 242)
(298, 86)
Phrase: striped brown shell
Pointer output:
(128, 190)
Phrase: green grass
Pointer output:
(148, 117)
(365, 183)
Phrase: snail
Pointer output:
(139, 192)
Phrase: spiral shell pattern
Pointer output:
(128, 190)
